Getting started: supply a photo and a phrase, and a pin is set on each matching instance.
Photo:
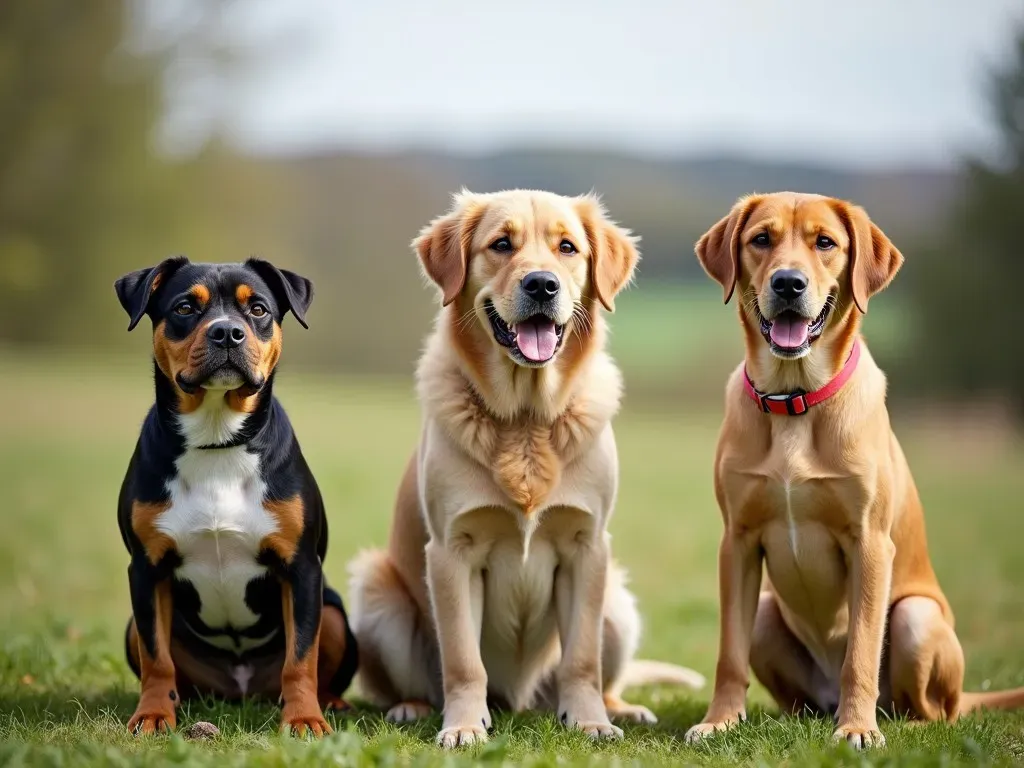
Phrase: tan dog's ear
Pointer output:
(718, 249)
(444, 245)
(613, 251)
(874, 260)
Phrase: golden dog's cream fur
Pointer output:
(498, 580)
(826, 498)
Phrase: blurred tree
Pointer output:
(967, 294)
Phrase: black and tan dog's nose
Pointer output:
(226, 334)
(789, 283)
(541, 286)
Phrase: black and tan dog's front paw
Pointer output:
(148, 721)
(299, 721)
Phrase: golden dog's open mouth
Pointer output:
(535, 340)
(790, 334)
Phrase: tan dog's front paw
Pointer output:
(300, 722)
(461, 736)
(408, 712)
(859, 737)
(702, 731)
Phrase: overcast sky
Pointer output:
(874, 82)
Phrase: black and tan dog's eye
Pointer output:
(567, 248)
(761, 240)
(825, 243)
(257, 310)
(184, 309)
(501, 245)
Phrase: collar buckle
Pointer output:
(792, 404)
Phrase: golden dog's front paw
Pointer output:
(303, 722)
(461, 736)
(408, 712)
(585, 710)
(702, 731)
(859, 737)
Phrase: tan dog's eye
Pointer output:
(501, 245)
(184, 309)
(825, 243)
(257, 310)
(761, 240)
(567, 248)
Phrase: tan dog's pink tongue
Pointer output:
(536, 338)
(789, 331)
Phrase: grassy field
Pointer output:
(67, 429)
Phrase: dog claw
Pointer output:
(859, 738)
(461, 736)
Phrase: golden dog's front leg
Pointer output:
(450, 581)
(739, 574)
(579, 599)
(871, 558)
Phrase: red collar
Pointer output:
(797, 403)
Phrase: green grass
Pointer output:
(67, 429)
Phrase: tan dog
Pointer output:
(818, 485)
(498, 581)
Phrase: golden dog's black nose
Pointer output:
(226, 334)
(541, 286)
(789, 283)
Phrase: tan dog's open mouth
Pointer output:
(533, 341)
(790, 334)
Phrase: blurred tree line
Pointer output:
(87, 192)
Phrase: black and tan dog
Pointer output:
(221, 514)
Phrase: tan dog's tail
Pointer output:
(973, 701)
(646, 672)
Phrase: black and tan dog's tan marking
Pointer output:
(219, 511)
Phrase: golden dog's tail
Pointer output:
(973, 701)
(646, 672)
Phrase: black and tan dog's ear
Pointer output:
(874, 260)
(718, 249)
(291, 291)
(613, 251)
(135, 289)
(444, 245)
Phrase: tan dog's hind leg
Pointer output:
(926, 662)
(398, 657)
(783, 665)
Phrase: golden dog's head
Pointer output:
(527, 266)
(803, 264)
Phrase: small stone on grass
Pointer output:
(201, 730)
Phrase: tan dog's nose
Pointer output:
(541, 286)
(789, 284)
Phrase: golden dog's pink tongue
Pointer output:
(789, 331)
(536, 338)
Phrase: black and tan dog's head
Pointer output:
(803, 264)
(526, 264)
(215, 326)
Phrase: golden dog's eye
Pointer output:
(257, 310)
(501, 245)
(567, 248)
(184, 309)
(762, 240)
(825, 243)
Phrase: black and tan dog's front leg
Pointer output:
(302, 608)
(579, 601)
(152, 609)
(871, 559)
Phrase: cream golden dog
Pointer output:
(498, 581)
(813, 481)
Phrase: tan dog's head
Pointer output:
(527, 265)
(799, 261)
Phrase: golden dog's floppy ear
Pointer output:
(613, 251)
(874, 260)
(718, 249)
(445, 243)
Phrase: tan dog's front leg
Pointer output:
(579, 599)
(739, 574)
(870, 581)
(449, 578)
